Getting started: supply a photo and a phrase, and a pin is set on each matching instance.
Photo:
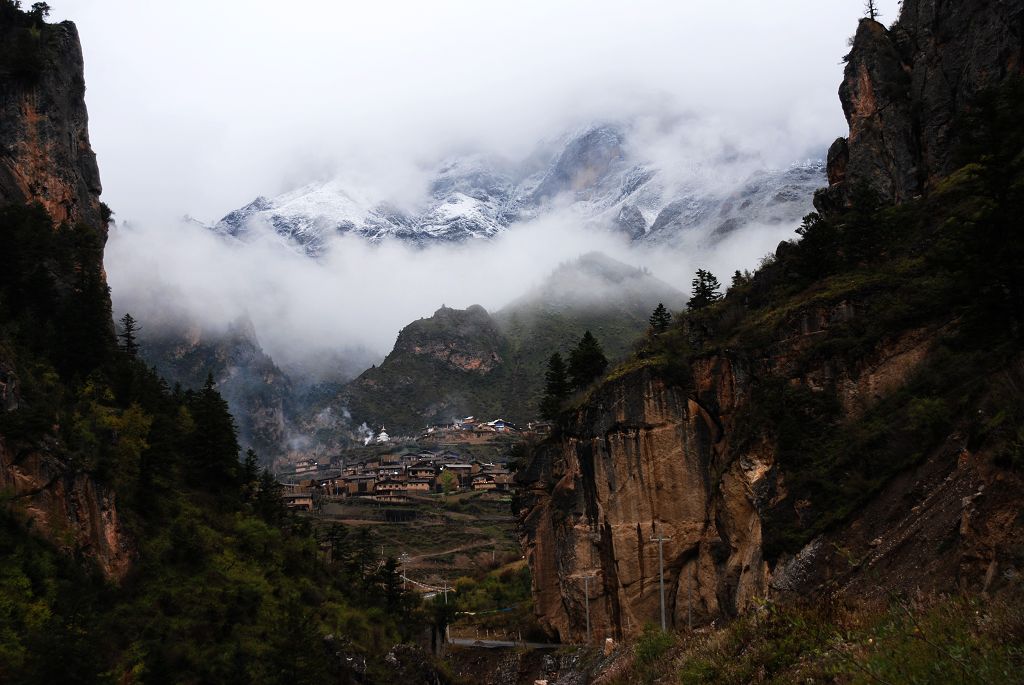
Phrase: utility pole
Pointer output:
(445, 590)
(689, 601)
(403, 559)
(661, 540)
(586, 599)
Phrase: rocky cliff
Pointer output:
(906, 89)
(820, 432)
(260, 395)
(45, 154)
(45, 158)
(644, 460)
(443, 367)
(648, 456)
(69, 508)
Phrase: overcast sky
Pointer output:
(197, 107)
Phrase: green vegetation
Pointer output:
(947, 268)
(660, 319)
(497, 600)
(587, 362)
(223, 585)
(23, 42)
(556, 387)
(706, 290)
(937, 641)
(129, 335)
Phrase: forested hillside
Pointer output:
(135, 546)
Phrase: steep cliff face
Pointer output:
(647, 457)
(906, 88)
(645, 460)
(69, 508)
(45, 154)
(45, 157)
(259, 394)
(846, 440)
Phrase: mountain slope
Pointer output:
(458, 363)
(846, 424)
(591, 173)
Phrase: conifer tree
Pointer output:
(587, 362)
(871, 10)
(706, 290)
(660, 319)
(268, 504)
(556, 388)
(129, 335)
(214, 440)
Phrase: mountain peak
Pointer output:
(591, 172)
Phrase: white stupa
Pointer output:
(383, 438)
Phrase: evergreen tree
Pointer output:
(214, 439)
(660, 319)
(587, 362)
(268, 504)
(250, 467)
(556, 388)
(871, 10)
(39, 11)
(391, 585)
(706, 290)
(129, 335)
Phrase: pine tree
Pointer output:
(660, 319)
(129, 335)
(871, 11)
(706, 290)
(556, 388)
(391, 585)
(39, 11)
(268, 504)
(214, 440)
(587, 362)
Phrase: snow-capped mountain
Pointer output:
(593, 175)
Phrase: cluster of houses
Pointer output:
(394, 477)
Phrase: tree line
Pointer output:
(587, 361)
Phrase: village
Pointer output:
(463, 456)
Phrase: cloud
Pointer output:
(357, 296)
(198, 107)
(203, 106)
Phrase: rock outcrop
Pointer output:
(45, 155)
(69, 508)
(45, 158)
(645, 460)
(679, 455)
(647, 457)
(906, 89)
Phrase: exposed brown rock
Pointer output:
(68, 508)
(644, 458)
(45, 155)
(638, 463)
(906, 88)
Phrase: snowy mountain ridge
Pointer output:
(591, 174)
